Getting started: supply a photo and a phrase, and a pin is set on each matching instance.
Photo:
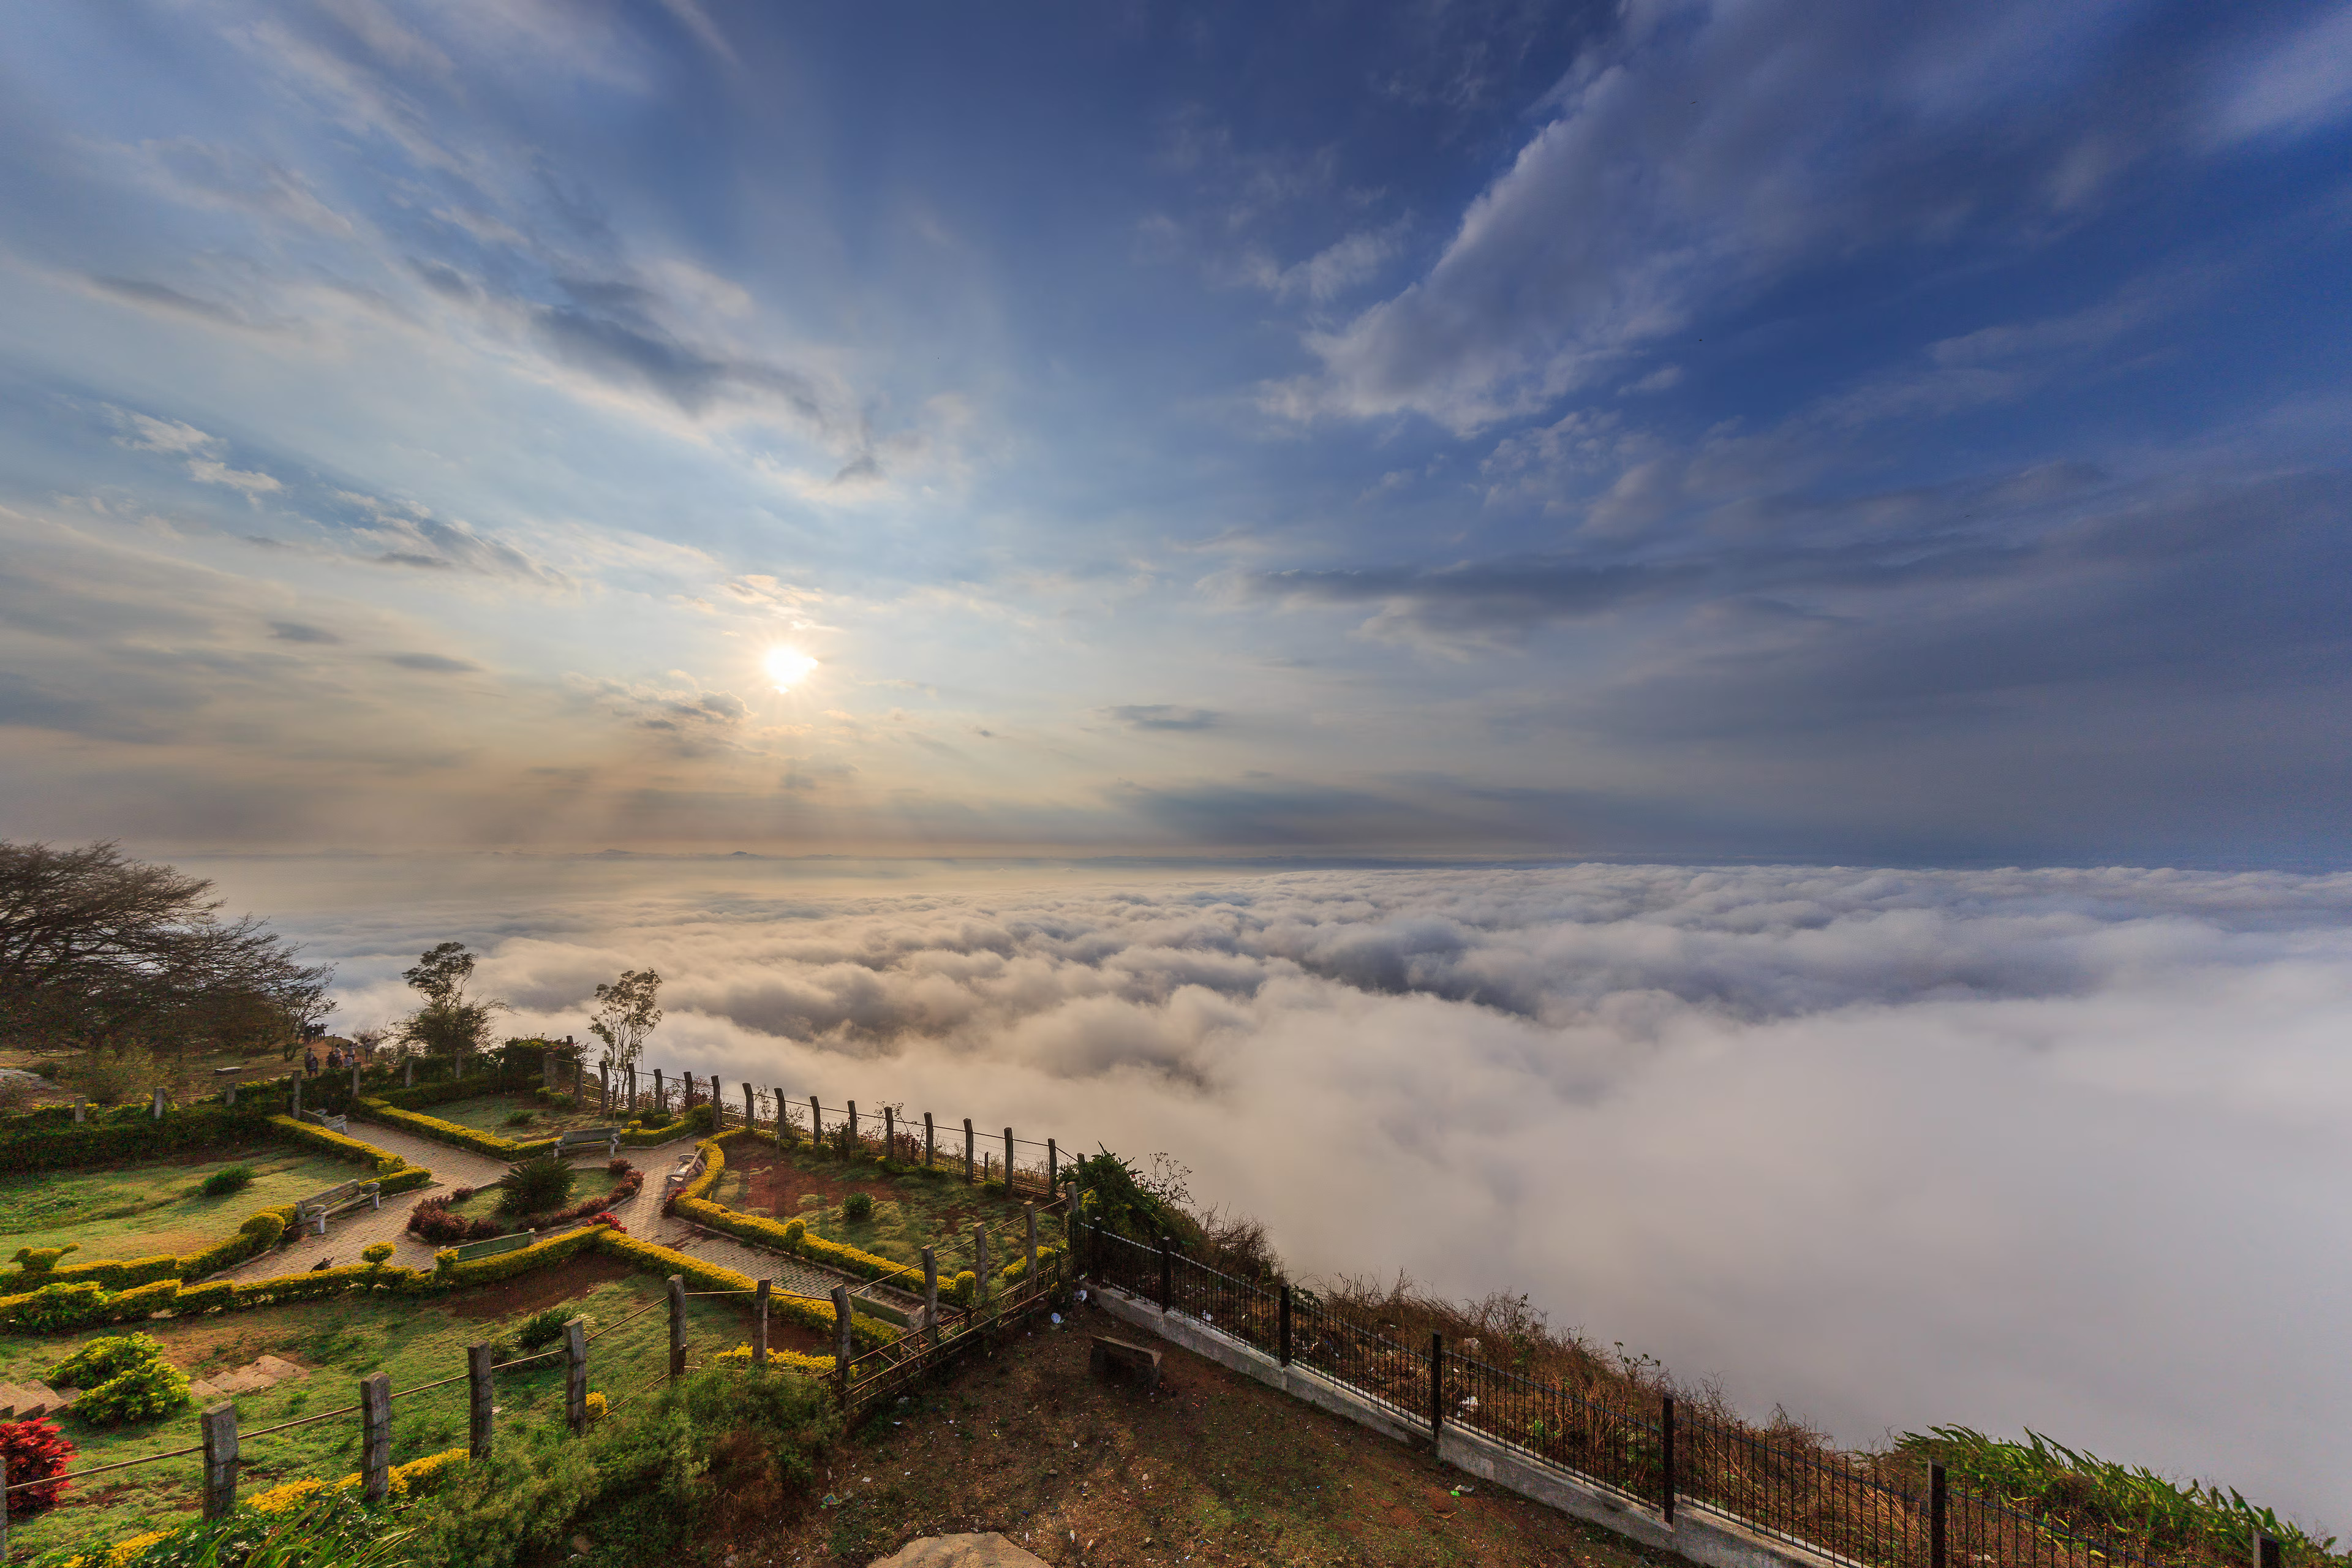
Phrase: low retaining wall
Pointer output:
(1697, 1532)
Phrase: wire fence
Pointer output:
(1639, 1445)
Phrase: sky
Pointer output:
(2059, 1150)
(1757, 431)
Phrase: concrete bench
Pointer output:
(582, 1138)
(685, 1171)
(313, 1211)
(331, 1123)
(495, 1246)
(1115, 1360)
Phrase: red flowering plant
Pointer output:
(37, 1451)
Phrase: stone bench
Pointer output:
(313, 1211)
(580, 1137)
(684, 1171)
(1116, 1359)
(331, 1123)
(494, 1246)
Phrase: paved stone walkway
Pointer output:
(348, 1235)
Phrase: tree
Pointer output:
(102, 951)
(451, 1023)
(626, 1014)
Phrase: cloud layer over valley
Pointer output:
(2047, 1148)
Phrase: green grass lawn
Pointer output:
(910, 1211)
(136, 1211)
(490, 1113)
(418, 1340)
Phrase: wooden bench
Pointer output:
(313, 1211)
(1114, 1360)
(331, 1123)
(495, 1246)
(570, 1144)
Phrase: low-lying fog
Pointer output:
(2065, 1149)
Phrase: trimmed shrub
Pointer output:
(379, 1253)
(55, 1307)
(102, 1361)
(37, 1451)
(40, 1142)
(41, 1259)
(234, 1179)
(148, 1392)
(789, 1361)
(858, 1208)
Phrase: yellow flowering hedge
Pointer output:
(790, 1237)
(788, 1361)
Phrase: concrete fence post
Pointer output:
(841, 1338)
(930, 1141)
(219, 1425)
(1008, 1161)
(689, 1089)
(661, 1096)
(1940, 1513)
(480, 1397)
(375, 1436)
(816, 1123)
(575, 1376)
(760, 1327)
(967, 1149)
(751, 1111)
(677, 1327)
(849, 1133)
(779, 1092)
(931, 1295)
(889, 1132)
(408, 1072)
(228, 1096)
(159, 1102)
(1666, 1458)
(1030, 1277)
(1053, 1171)
(2266, 1551)
(979, 1264)
(82, 1110)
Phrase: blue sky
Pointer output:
(1814, 431)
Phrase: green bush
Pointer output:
(793, 1232)
(859, 1207)
(112, 1076)
(55, 1307)
(147, 1392)
(234, 1179)
(379, 1253)
(41, 1259)
(102, 1360)
(536, 1186)
(520, 1118)
(544, 1329)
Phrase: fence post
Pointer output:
(604, 1091)
(375, 1436)
(677, 1327)
(478, 1398)
(841, 1339)
(751, 1111)
(931, 1295)
(760, 1327)
(228, 1097)
(930, 1141)
(780, 1119)
(889, 1132)
(967, 1149)
(629, 1107)
(1053, 1171)
(661, 1095)
(82, 1110)
(575, 1376)
(1167, 1278)
(219, 1425)
(1666, 1456)
(1436, 1385)
(408, 1072)
(852, 1144)
(1029, 1275)
(1282, 1317)
(2266, 1551)
(1940, 1513)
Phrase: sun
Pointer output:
(787, 667)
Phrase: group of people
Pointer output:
(337, 1057)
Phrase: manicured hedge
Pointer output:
(88, 1305)
(451, 1133)
(424, 1094)
(792, 1237)
(127, 1132)
(345, 1145)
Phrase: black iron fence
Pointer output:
(1642, 1446)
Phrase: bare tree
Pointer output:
(102, 951)
(625, 1015)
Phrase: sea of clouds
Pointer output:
(2059, 1149)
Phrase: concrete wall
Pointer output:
(1698, 1533)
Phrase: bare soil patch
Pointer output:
(1211, 1467)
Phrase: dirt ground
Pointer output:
(1212, 1467)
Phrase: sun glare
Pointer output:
(788, 667)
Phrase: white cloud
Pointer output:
(2299, 84)
(1890, 1147)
